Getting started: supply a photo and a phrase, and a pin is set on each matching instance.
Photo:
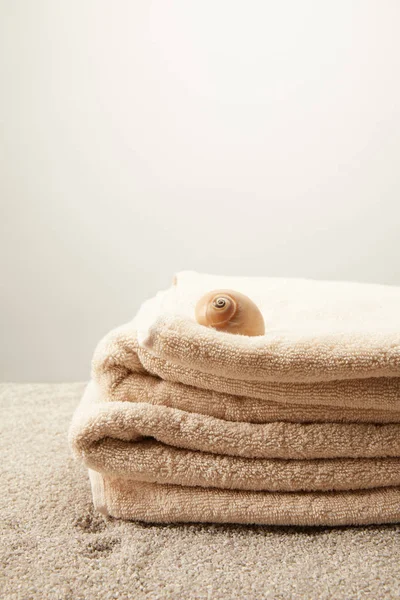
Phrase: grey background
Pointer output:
(142, 138)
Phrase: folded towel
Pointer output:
(326, 343)
(155, 503)
(148, 462)
(299, 426)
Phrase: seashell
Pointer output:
(230, 311)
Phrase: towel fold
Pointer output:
(299, 426)
(151, 502)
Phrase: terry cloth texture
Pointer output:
(56, 547)
(300, 426)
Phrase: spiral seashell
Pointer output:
(230, 311)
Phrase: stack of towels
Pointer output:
(300, 426)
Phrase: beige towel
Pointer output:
(125, 499)
(138, 387)
(326, 344)
(132, 444)
(300, 426)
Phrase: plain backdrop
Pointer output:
(141, 138)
